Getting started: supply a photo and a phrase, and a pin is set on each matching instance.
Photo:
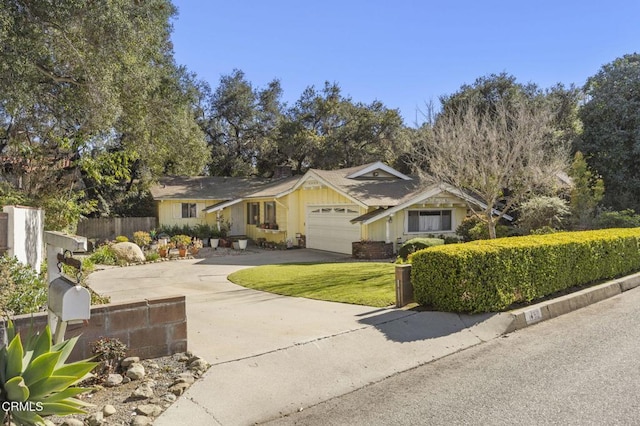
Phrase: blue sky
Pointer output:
(402, 52)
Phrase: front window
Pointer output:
(428, 220)
(189, 210)
(253, 214)
(270, 212)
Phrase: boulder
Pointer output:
(129, 252)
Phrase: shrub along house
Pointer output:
(329, 209)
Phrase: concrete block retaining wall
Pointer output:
(371, 250)
(150, 328)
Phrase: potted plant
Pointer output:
(163, 250)
(203, 232)
(142, 239)
(223, 232)
(195, 247)
(182, 242)
(214, 237)
(154, 239)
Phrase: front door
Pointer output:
(237, 219)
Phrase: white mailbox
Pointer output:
(69, 301)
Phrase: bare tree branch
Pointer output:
(500, 156)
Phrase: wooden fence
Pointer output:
(109, 228)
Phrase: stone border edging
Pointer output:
(522, 318)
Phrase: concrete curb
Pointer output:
(543, 311)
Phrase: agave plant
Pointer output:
(35, 381)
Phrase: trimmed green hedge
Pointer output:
(490, 275)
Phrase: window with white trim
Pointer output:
(253, 213)
(270, 212)
(189, 210)
(429, 220)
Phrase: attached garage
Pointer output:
(329, 227)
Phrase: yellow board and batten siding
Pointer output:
(317, 196)
(170, 213)
(283, 219)
(377, 231)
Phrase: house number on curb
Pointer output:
(534, 315)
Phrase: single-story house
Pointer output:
(330, 209)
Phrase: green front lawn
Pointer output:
(362, 283)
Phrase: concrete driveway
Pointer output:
(272, 355)
(228, 322)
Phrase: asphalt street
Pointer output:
(581, 368)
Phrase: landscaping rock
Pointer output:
(179, 388)
(113, 380)
(198, 366)
(108, 410)
(136, 371)
(48, 422)
(142, 392)
(149, 410)
(140, 421)
(95, 419)
(169, 397)
(128, 252)
(185, 378)
(129, 360)
(72, 422)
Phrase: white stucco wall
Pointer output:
(26, 234)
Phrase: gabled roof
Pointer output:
(365, 189)
(276, 189)
(377, 170)
(422, 196)
(221, 205)
(209, 187)
(373, 185)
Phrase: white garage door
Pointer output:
(328, 228)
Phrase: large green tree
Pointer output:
(611, 137)
(88, 85)
(240, 124)
(325, 129)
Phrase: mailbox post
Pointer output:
(67, 301)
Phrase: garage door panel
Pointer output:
(329, 228)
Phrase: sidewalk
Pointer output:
(259, 388)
